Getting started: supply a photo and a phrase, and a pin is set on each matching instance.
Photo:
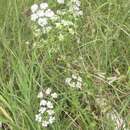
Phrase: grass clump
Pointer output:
(93, 46)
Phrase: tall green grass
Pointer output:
(104, 48)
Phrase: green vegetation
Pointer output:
(101, 57)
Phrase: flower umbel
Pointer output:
(46, 113)
(75, 81)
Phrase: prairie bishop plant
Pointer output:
(46, 112)
(75, 81)
(59, 21)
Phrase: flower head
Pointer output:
(46, 113)
(45, 123)
(61, 1)
(51, 119)
(42, 110)
(38, 117)
(42, 22)
(49, 13)
(44, 6)
(75, 81)
(49, 105)
(40, 94)
(48, 91)
(43, 102)
(34, 8)
(54, 95)
(34, 17)
(50, 112)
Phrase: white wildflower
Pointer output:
(66, 23)
(74, 81)
(54, 95)
(34, 17)
(40, 13)
(40, 94)
(76, 8)
(79, 85)
(49, 13)
(74, 76)
(51, 119)
(34, 8)
(49, 105)
(60, 1)
(42, 21)
(42, 110)
(68, 80)
(44, 6)
(50, 112)
(72, 84)
(77, 2)
(79, 79)
(48, 91)
(38, 117)
(45, 123)
(46, 110)
(43, 102)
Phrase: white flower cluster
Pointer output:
(46, 114)
(41, 14)
(47, 19)
(75, 81)
(74, 6)
(61, 1)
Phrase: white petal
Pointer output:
(49, 13)
(60, 1)
(50, 112)
(40, 94)
(51, 119)
(48, 91)
(43, 5)
(73, 84)
(49, 104)
(79, 79)
(68, 80)
(38, 117)
(34, 8)
(79, 85)
(42, 110)
(45, 123)
(42, 21)
(40, 13)
(43, 102)
(74, 76)
(34, 17)
(54, 95)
